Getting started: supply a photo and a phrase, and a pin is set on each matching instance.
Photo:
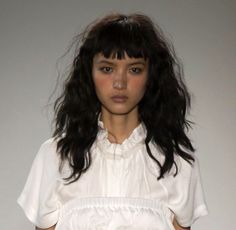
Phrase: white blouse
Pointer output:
(120, 190)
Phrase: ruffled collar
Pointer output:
(129, 146)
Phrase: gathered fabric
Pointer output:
(114, 213)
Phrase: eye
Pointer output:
(136, 70)
(106, 69)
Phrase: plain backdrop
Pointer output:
(35, 34)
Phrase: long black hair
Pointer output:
(163, 108)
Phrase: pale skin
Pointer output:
(126, 78)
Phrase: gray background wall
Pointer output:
(34, 34)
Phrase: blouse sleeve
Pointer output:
(38, 198)
(185, 193)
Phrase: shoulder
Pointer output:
(186, 168)
(48, 147)
(182, 173)
(48, 144)
(47, 154)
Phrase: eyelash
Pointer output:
(107, 72)
(139, 70)
(103, 69)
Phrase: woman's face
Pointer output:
(119, 84)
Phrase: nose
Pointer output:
(120, 80)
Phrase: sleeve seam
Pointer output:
(200, 211)
(31, 214)
(28, 210)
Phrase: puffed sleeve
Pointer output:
(185, 193)
(38, 198)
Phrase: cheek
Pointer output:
(139, 86)
(101, 85)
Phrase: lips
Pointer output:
(119, 98)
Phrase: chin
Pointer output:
(119, 111)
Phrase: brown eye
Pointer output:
(106, 69)
(136, 70)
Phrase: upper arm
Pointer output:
(51, 228)
(186, 188)
(178, 227)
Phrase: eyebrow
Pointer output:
(112, 63)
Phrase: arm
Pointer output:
(51, 228)
(178, 227)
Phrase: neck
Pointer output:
(119, 126)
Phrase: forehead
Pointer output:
(99, 57)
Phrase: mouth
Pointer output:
(119, 98)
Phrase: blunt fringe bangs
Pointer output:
(163, 108)
(116, 38)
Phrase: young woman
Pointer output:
(120, 157)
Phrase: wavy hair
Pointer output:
(162, 109)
